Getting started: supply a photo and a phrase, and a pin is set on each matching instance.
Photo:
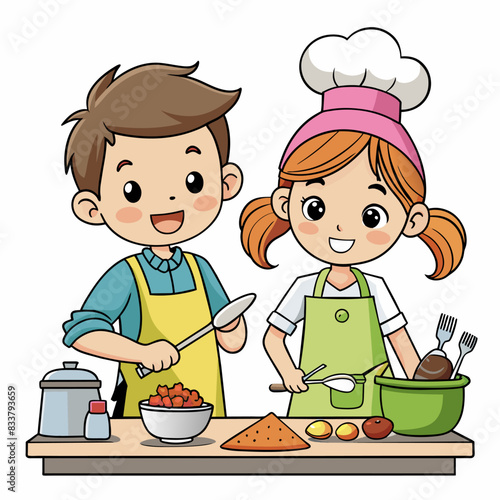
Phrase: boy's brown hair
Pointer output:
(152, 100)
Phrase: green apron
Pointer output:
(344, 334)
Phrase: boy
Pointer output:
(150, 158)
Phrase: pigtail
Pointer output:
(445, 237)
(260, 226)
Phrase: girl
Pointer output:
(350, 184)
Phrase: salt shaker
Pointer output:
(97, 421)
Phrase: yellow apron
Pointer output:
(174, 317)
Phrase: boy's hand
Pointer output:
(159, 355)
(231, 326)
(293, 382)
(232, 337)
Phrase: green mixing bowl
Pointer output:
(422, 407)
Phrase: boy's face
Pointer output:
(162, 191)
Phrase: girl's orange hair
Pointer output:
(327, 153)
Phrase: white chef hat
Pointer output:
(370, 57)
(365, 84)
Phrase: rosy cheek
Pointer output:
(128, 214)
(378, 237)
(205, 203)
(308, 228)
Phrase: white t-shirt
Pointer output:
(291, 308)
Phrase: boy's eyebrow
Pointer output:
(316, 181)
(122, 164)
(193, 149)
(379, 187)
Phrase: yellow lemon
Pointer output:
(347, 431)
(320, 429)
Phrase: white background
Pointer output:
(50, 260)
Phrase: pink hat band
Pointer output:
(358, 109)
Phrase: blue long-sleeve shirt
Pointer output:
(115, 296)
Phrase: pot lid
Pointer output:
(70, 372)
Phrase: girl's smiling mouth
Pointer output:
(340, 246)
(168, 223)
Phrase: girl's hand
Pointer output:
(293, 382)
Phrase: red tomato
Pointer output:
(377, 427)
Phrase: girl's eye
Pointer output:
(313, 208)
(132, 191)
(194, 182)
(374, 216)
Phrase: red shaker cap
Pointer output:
(97, 407)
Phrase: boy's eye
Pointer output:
(132, 191)
(194, 182)
(374, 216)
(313, 208)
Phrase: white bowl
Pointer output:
(175, 425)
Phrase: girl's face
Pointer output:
(345, 218)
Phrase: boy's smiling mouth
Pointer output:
(340, 246)
(168, 223)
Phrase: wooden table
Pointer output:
(131, 450)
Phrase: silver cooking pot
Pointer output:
(66, 394)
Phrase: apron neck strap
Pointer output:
(363, 285)
(321, 280)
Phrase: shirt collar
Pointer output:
(163, 265)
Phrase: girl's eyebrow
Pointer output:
(316, 181)
(193, 149)
(122, 164)
(379, 187)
